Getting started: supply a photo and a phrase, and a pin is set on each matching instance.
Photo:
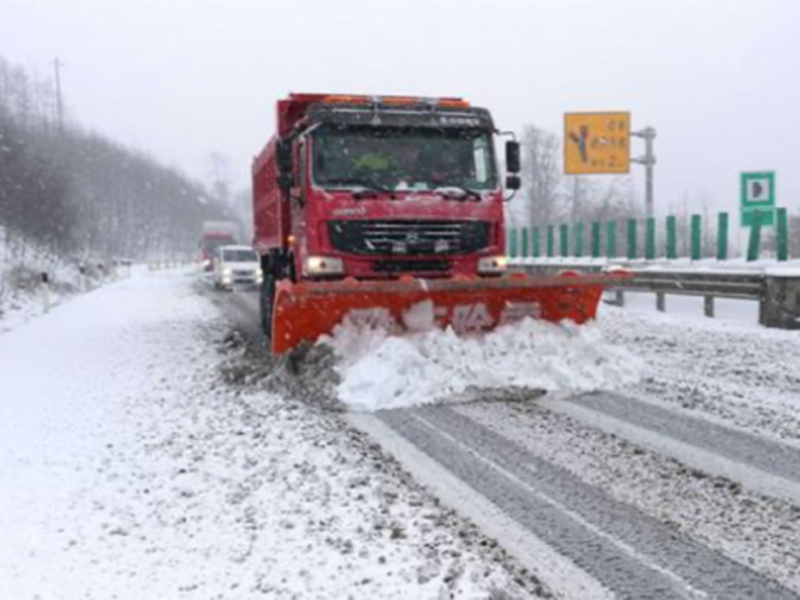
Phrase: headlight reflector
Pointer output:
(323, 265)
(492, 264)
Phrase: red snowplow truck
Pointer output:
(390, 209)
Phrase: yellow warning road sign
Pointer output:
(597, 143)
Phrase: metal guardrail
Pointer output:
(722, 285)
(778, 295)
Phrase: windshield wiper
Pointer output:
(447, 191)
(370, 187)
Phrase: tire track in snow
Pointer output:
(758, 463)
(628, 552)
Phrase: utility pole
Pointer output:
(649, 161)
(57, 64)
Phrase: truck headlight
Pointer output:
(492, 264)
(258, 276)
(323, 265)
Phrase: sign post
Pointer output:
(648, 134)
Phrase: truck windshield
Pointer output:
(239, 256)
(397, 159)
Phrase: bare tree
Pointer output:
(541, 175)
(72, 191)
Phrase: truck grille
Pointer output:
(409, 238)
(411, 266)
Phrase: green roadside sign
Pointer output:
(757, 195)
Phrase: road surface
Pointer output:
(617, 495)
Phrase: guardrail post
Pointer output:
(696, 237)
(564, 240)
(661, 301)
(537, 242)
(578, 233)
(780, 305)
(755, 237)
(596, 239)
(611, 239)
(632, 250)
(551, 241)
(722, 236)
(672, 238)
(650, 239)
(524, 242)
(708, 306)
(783, 234)
(44, 282)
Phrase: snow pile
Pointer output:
(380, 369)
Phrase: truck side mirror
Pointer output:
(512, 157)
(513, 182)
(283, 156)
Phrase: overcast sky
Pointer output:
(718, 79)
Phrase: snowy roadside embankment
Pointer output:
(381, 371)
(130, 470)
(23, 293)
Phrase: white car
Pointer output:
(236, 265)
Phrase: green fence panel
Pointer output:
(672, 238)
(525, 242)
(537, 242)
(563, 238)
(611, 239)
(783, 234)
(578, 232)
(650, 239)
(722, 236)
(512, 243)
(551, 241)
(632, 249)
(595, 239)
(696, 231)
(754, 246)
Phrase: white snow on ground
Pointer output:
(731, 371)
(128, 470)
(380, 370)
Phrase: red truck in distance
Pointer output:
(373, 205)
(213, 235)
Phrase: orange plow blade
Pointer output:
(305, 311)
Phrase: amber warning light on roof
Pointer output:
(397, 101)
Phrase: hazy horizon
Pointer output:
(184, 80)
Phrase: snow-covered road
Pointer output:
(148, 449)
(130, 469)
(684, 484)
